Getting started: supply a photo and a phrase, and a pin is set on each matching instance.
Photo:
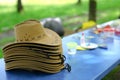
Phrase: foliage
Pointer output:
(65, 8)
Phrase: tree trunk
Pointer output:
(92, 10)
(79, 2)
(19, 6)
(119, 17)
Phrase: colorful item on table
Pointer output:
(117, 31)
(82, 39)
(71, 47)
(88, 24)
(89, 45)
(80, 48)
(103, 46)
(90, 37)
(106, 28)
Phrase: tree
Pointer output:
(119, 17)
(92, 10)
(79, 2)
(19, 6)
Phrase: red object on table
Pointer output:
(99, 30)
(108, 28)
(117, 32)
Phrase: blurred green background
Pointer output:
(39, 9)
(72, 14)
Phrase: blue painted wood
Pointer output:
(86, 65)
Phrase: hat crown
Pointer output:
(29, 30)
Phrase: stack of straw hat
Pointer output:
(35, 48)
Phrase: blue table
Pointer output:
(86, 65)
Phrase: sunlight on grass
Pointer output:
(38, 2)
(108, 4)
(7, 2)
(48, 2)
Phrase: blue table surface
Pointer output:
(86, 65)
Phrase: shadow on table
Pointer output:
(33, 75)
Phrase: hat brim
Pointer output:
(34, 65)
(34, 56)
(35, 50)
(53, 40)
(31, 45)
(30, 53)
(40, 59)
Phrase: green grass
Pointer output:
(6, 40)
(10, 17)
(112, 75)
(38, 10)
(1, 55)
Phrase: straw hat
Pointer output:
(31, 31)
(32, 45)
(35, 48)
